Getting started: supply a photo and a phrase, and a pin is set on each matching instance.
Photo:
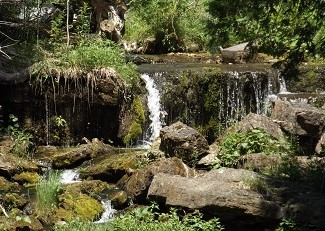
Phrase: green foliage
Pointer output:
(60, 131)
(23, 146)
(237, 144)
(293, 29)
(287, 225)
(145, 218)
(171, 23)
(47, 190)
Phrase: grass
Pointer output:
(86, 55)
(47, 190)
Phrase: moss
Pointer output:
(137, 123)
(27, 177)
(14, 200)
(79, 205)
(7, 186)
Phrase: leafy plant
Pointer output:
(145, 218)
(23, 146)
(237, 144)
(287, 225)
(47, 190)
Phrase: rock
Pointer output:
(136, 185)
(259, 161)
(81, 200)
(7, 186)
(235, 54)
(77, 155)
(255, 121)
(219, 192)
(320, 147)
(111, 168)
(299, 118)
(27, 177)
(6, 168)
(183, 142)
(119, 199)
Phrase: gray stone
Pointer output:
(299, 118)
(183, 142)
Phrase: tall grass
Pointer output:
(47, 190)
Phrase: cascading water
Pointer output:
(108, 214)
(155, 113)
(69, 176)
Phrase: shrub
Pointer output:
(237, 144)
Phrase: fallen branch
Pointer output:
(4, 211)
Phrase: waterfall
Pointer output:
(69, 176)
(108, 212)
(155, 113)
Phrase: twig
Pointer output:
(4, 211)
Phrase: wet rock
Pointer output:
(183, 142)
(136, 185)
(119, 199)
(219, 192)
(7, 169)
(111, 168)
(299, 118)
(77, 155)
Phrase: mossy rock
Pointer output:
(78, 205)
(7, 186)
(138, 121)
(27, 177)
(14, 200)
(92, 188)
(113, 168)
(20, 223)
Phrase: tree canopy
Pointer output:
(291, 29)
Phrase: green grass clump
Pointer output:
(86, 55)
(47, 190)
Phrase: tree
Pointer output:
(294, 30)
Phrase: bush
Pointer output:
(238, 144)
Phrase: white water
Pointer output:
(69, 176)
(108, 213)
(154, 106)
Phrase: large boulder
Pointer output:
(255, 121)
(137, 184)
(183, 142)
(221, 193)
(243, 196)
(299, 118)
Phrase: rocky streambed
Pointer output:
(175, 173)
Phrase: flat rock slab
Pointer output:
(221, 192)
